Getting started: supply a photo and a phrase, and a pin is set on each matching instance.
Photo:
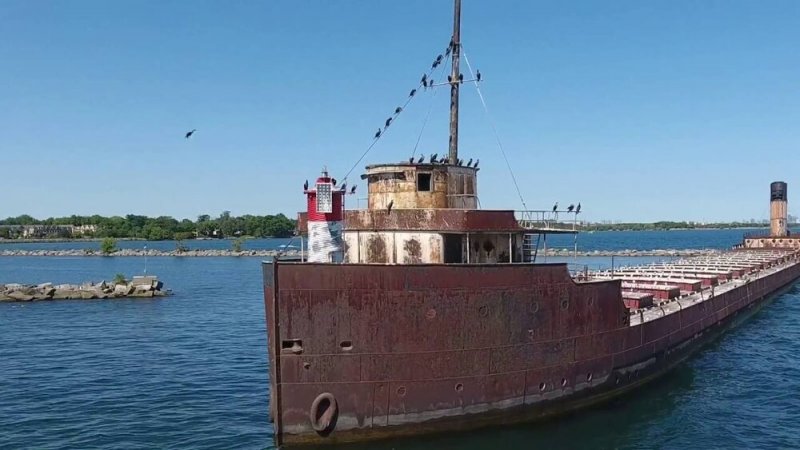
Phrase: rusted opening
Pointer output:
(459, 387)
(401, 391)
(424, 182)
(346, 345)
(292, 345)
(453, 249)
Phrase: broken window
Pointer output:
(424, 182)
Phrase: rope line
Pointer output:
(385, 129)
(494, 129)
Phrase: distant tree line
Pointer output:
(161, 228)
(666, 225)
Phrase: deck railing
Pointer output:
(549, 220)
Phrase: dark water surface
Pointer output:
(190, 371)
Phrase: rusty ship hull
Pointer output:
(401, 350)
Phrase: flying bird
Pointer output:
(353, 189)
(555, 207)
(388, 122)
(478, 76)
(578, 209)
(389, 206)
(305, 186)
(378, 134)
(398, 110)
(570, 208)
(190, 133)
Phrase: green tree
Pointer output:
(237, 244)
(108, 246)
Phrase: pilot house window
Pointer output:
(424, 182)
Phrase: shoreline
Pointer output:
(296, 253)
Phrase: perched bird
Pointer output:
(378, 134)
(353, 189)
(333, 180)
(441, 160)
(439, 59)
(449, 79)
(469, 163)
(461, 78)
(446, 160)
(570, 208)
(578, 209)
(459, 162)
(413, 91)
(430, 82)
(421, 158)
(388, 122)
(433, 158)
(305, 186)
(189, 134)
(478, 76)
(343, 188)
(424, 79)
(398, 110)
(425, 83)
(555, 207)
(411, 159)
(435, 64)
(389, 206)
(476, 163)
(449, 49)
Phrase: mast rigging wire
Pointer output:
(494, 129)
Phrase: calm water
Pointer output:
(190, 371)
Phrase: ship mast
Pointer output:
(455, 82)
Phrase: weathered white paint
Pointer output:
(325, 242)
(394, 247)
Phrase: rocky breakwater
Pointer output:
(657, 252)
(142, 287)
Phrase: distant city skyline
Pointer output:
(641, 111)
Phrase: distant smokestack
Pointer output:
(778, 212)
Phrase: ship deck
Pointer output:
(657, 290)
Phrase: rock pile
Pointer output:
(147, 286)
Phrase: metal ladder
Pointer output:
(530, 246)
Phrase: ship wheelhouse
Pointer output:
(427, 213)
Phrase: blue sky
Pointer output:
(642, 111)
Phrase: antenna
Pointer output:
(455, 82)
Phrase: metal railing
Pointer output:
(548, 220)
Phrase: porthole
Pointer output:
(563, 382)
(542, 386)
(459, 387)
(589, 376)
